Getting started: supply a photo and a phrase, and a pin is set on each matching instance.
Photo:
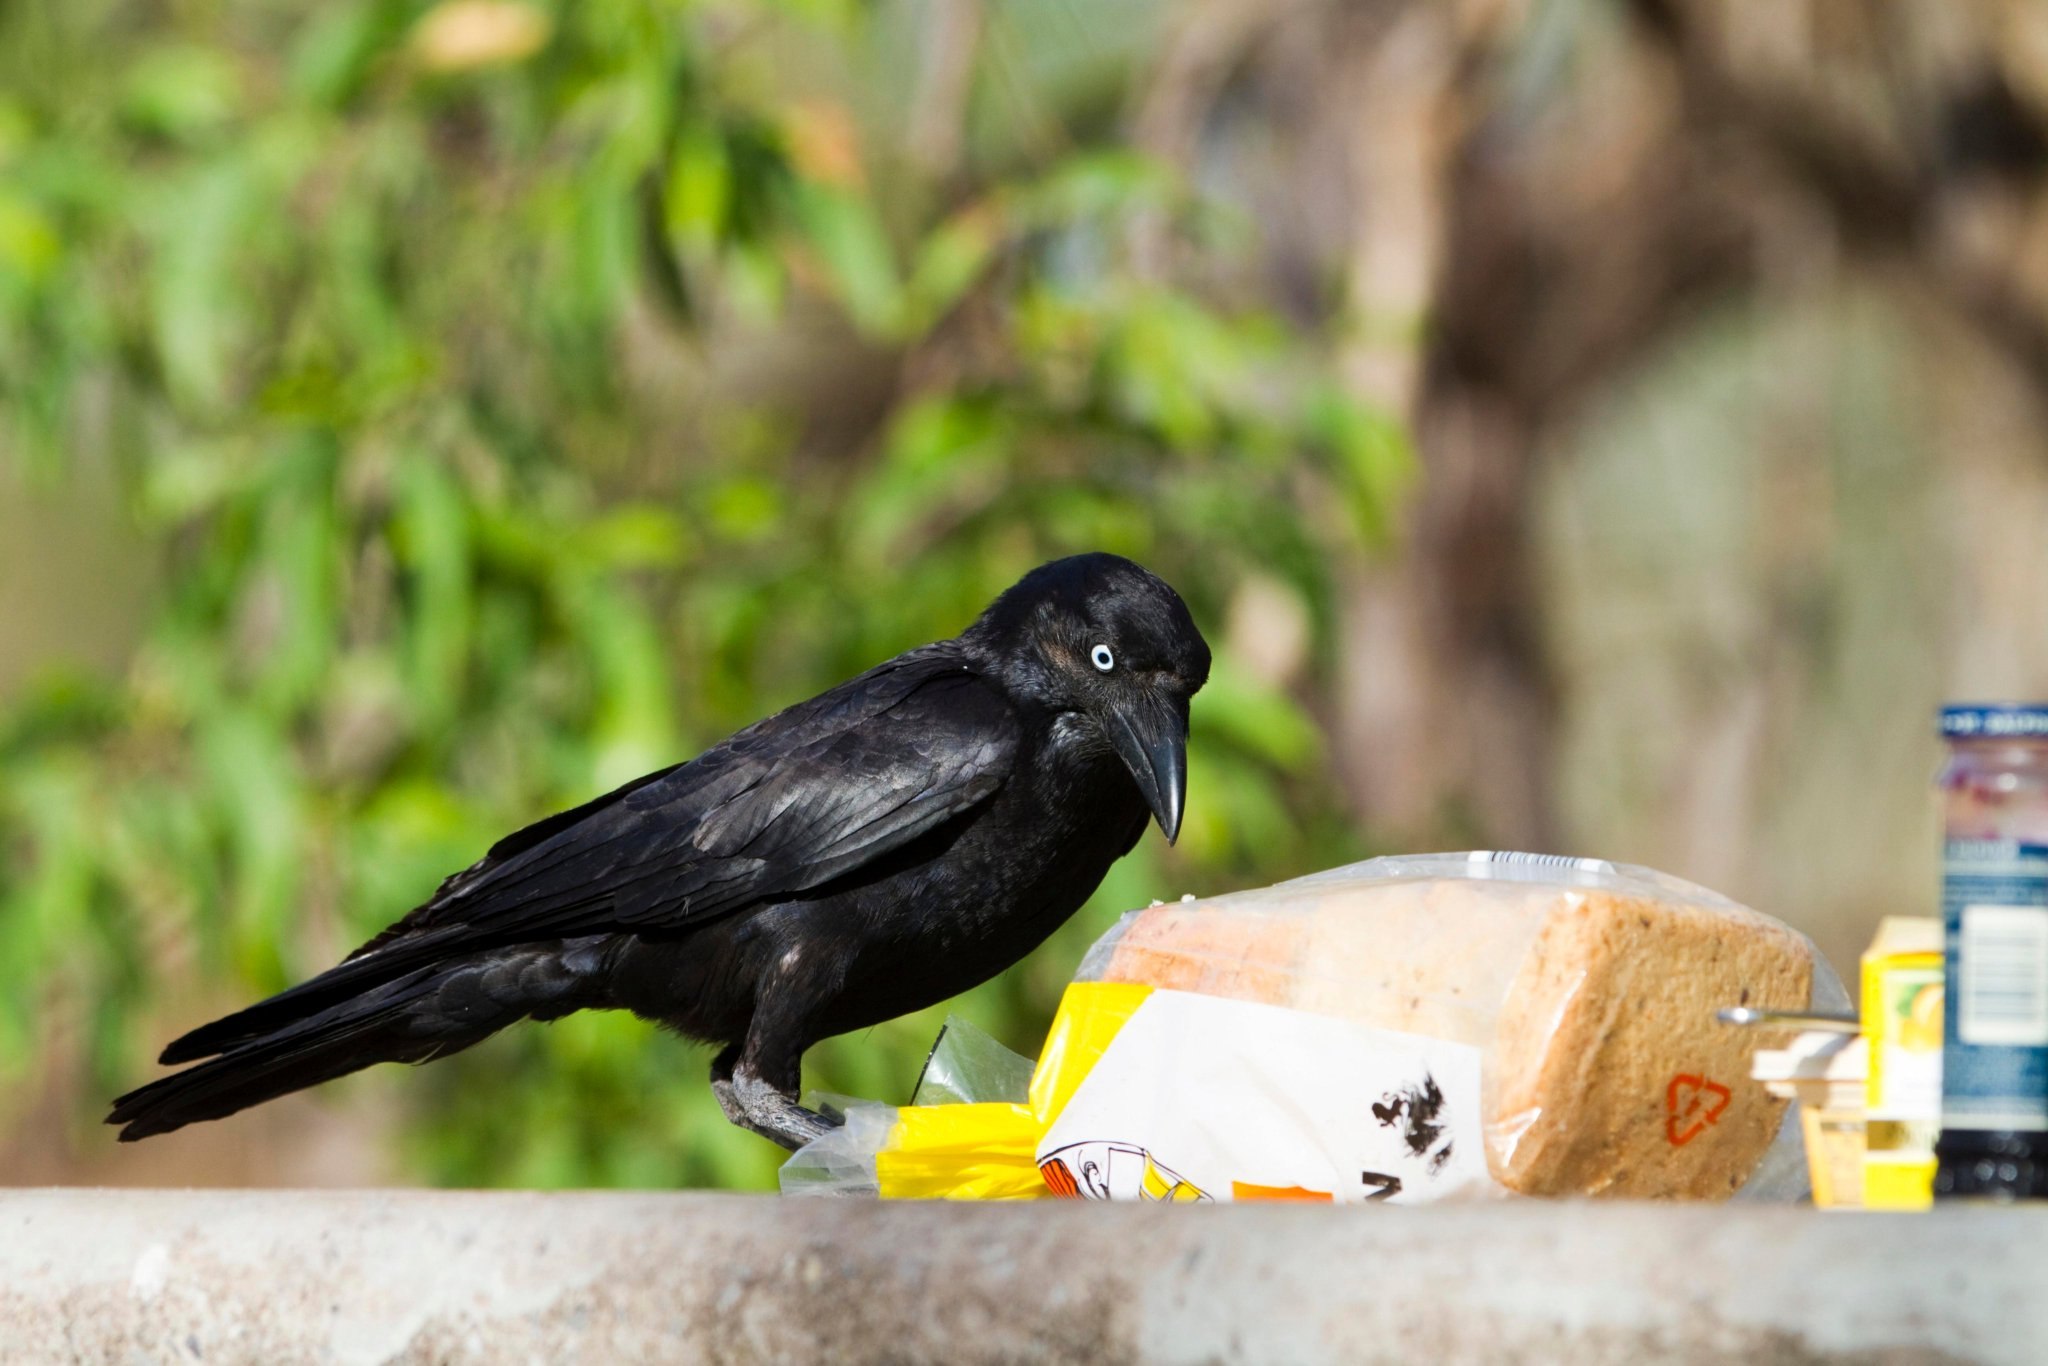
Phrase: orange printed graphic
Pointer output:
(1245, 1190)
(1692, 1103)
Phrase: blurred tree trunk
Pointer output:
(1534, 199)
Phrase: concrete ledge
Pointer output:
(381, 1276)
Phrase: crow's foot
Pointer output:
(756, 1106)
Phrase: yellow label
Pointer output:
(1902, 1018)
(1903, 1001)
(1897, 1185)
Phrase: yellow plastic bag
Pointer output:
(981, 1151)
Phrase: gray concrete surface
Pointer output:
(278, 1277)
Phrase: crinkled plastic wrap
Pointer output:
(1515, 1024)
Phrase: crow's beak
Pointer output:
(1151, 737)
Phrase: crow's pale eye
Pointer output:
(1101, 658)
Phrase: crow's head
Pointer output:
(1107, 643)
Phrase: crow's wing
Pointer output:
(808, 795)
(784, 806)
(781, 807)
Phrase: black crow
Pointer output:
(874, 850)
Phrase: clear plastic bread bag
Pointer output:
(1413, 1029)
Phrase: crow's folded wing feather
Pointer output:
(788, 804)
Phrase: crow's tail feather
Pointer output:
(355, 978)
(425, 1014)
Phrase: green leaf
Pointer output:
(745, 509)
(942, 454)
(634, 728)
(643, 536)
(250, 769)
(1259, 720)
(182, 91)
(1375, 462)
(293, 603)
(338, 46)
(432, 531)
(949, 261)
(697, 199)
(201, 220)
(29, 245)
(1098, 184)
(844, 230)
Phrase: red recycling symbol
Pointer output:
(1692, 1103)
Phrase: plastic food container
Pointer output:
(1994, 1101)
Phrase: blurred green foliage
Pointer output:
(520, 398)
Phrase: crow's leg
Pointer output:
(721, 1085)
(760, 1108)
(754, 1104)
(763, 1100)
